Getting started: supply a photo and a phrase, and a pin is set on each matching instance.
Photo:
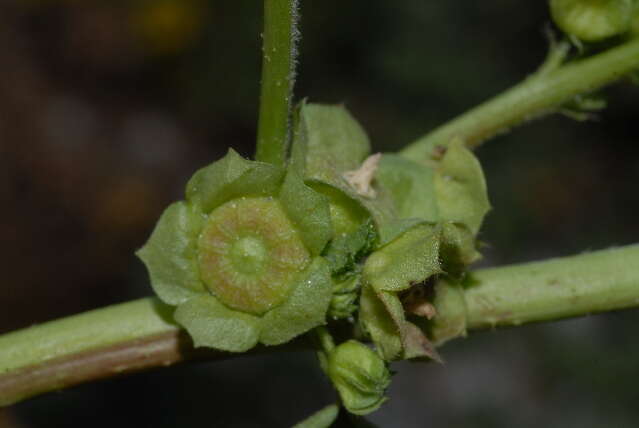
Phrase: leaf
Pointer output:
(323, 418)
(305, 308)
(213, 325)
(232, 177)
(308, 210)
(170, 254)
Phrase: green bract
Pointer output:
(440, 207)
(240, 257)
(592, 20)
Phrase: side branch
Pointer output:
(542, 93)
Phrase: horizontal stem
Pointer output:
(140, 335)
(542, 93)
(539, 291)
(553, 289)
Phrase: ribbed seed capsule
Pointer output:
(250, 254)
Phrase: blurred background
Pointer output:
(106, 108)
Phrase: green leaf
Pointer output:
(410, 259)
(305, 308)
(461, 188)
(308, 210)
(232, 177)
(170, 254)
(213, 325)
(321, 419)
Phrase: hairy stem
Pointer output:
(278, 77)
(542, 93)
(140, 335)
(539, 291)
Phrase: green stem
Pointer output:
(540, 94)
(139, 335)
(540, 291)
(278, 77)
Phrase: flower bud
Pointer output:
(592, 20)
(360, 376)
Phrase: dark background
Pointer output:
(106, 108)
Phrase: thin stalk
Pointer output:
(278, 78)
(140, 335)
(541, 94)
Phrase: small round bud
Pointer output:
(360, 376)
(592, 20)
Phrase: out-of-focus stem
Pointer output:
(542, 93)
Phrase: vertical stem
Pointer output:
(278, 77)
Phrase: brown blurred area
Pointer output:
(107, 108)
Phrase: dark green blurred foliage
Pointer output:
(106, 108)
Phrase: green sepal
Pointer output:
(305, 308)
(170, 254)
(323, 418)
(377, 322)
(391, 230)
(411, 186)
(328, 142)
(308, 210)
(232, 177)
(334, 142)
(345, 292)
(408, 260)
(213, 325)
(451, 189)
(414, 342)
(344, 251)
(457, 249)
(359, 375)
(460, 187)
